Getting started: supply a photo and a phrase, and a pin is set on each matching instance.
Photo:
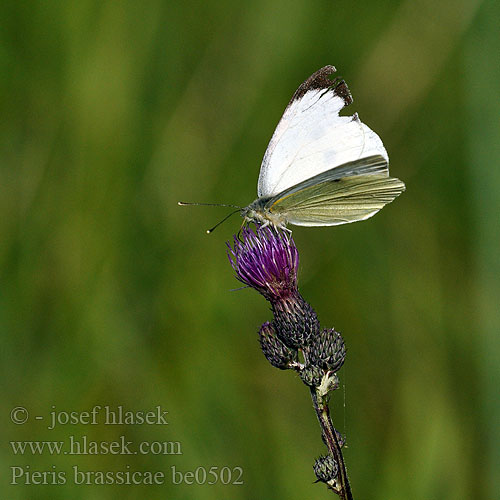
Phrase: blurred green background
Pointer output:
(113, 295)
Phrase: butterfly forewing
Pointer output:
(312, 138)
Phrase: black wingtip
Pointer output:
(321, 80)
(342, 90)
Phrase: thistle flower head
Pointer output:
(267, 261)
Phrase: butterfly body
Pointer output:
(259, 212)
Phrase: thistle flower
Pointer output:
(267, 261)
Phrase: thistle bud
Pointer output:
(327, 350)
(295, 321)
(326, 468)
(312, 376)
(277, 353)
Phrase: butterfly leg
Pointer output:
(244, 223)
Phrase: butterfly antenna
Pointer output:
(187, 204)
(223, 220)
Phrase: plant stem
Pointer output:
(323, 413)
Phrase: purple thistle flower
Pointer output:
(266, 261)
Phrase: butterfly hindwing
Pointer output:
(348, 193)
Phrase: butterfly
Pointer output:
(320, 168)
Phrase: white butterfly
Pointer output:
(322, 169)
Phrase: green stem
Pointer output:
(323, 413)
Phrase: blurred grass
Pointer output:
(111, 294)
